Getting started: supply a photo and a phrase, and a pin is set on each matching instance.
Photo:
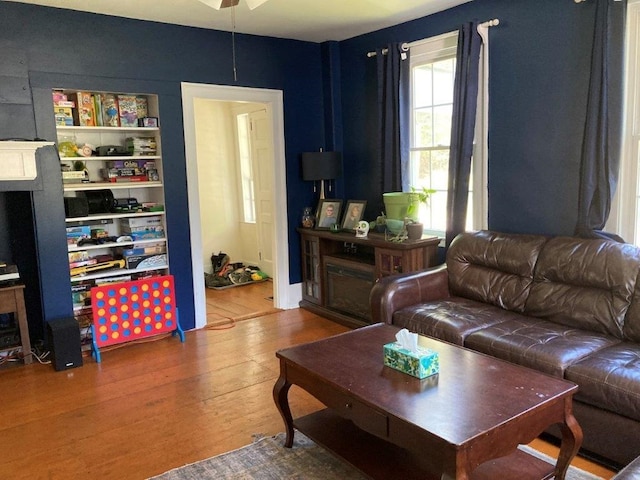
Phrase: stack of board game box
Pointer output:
(141, 145)
(130, 171)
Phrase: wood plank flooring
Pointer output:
(157, 405)
(239, 303)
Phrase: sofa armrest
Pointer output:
(395, 292)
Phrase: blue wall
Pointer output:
(539, 65)
(86, 51)
(540, 56)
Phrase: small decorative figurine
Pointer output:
(307, 218)
(362, 229)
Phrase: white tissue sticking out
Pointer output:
(408, 340)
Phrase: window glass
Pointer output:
(433, 65)
(246, 170)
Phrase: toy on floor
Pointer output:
(127, 311)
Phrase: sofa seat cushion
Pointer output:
(451, 319)
(610, 379)
(538, 344)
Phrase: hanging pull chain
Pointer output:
(233, 42)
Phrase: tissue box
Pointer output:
(421, 365)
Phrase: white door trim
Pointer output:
(284, 295)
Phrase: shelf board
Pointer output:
(112, 216)
(76, 187)
(75, 248)
(115, 273)
(61, 128)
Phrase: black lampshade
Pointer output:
(321, 165)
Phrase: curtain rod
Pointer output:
(406, 46)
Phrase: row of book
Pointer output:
(92, 109)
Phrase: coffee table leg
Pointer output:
(571, 441)
(280, 396)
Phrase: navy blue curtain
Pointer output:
(601, 144)
(393, 117)
(465, 100)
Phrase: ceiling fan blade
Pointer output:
(254, 3)
(212, 3)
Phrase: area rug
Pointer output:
(267, 459)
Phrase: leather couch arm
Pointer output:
(395, 292)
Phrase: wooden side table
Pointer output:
(12, 301)
(339, 270)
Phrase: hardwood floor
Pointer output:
(154, 406)
(239, 303)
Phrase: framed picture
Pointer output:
(328, 213)
(353, 214)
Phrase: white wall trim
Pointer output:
(285, 295)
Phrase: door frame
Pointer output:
(284, 294)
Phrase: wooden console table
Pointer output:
(12, 301)
(339, 270)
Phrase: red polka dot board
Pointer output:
(127, 311)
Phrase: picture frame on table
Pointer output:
(328, 213)
(353, 213)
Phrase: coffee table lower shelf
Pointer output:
(380, 459)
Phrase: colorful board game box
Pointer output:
(110, 116)
(128, 110)
(142, 107)
(85, 115)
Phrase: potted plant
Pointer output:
(413, 226)
(379, 224)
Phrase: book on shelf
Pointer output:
(97, 106)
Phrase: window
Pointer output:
(433, 63)
(246, 171)
(625, 212)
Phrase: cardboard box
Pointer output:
(63, 116)
(141, 164)
(73, 176)
(135, 262)
(79, 256)
(84, 114)
(127, 110)
(76, 233)
(137, 222)
(421, 365)
(143, 250)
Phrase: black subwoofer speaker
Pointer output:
(64, 339)
(76, 207)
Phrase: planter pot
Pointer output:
(414, 231)
(396, 205)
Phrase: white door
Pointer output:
(262, 165)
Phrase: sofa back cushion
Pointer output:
(631, 329)
(494, 268)
(586, 284)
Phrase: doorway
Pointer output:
(285, 295)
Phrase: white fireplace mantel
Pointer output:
(18, 159)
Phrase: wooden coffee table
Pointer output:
(464, 423)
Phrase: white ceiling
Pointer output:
(310, 20)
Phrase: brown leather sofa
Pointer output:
(566, 306)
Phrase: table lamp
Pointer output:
(321, 166)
